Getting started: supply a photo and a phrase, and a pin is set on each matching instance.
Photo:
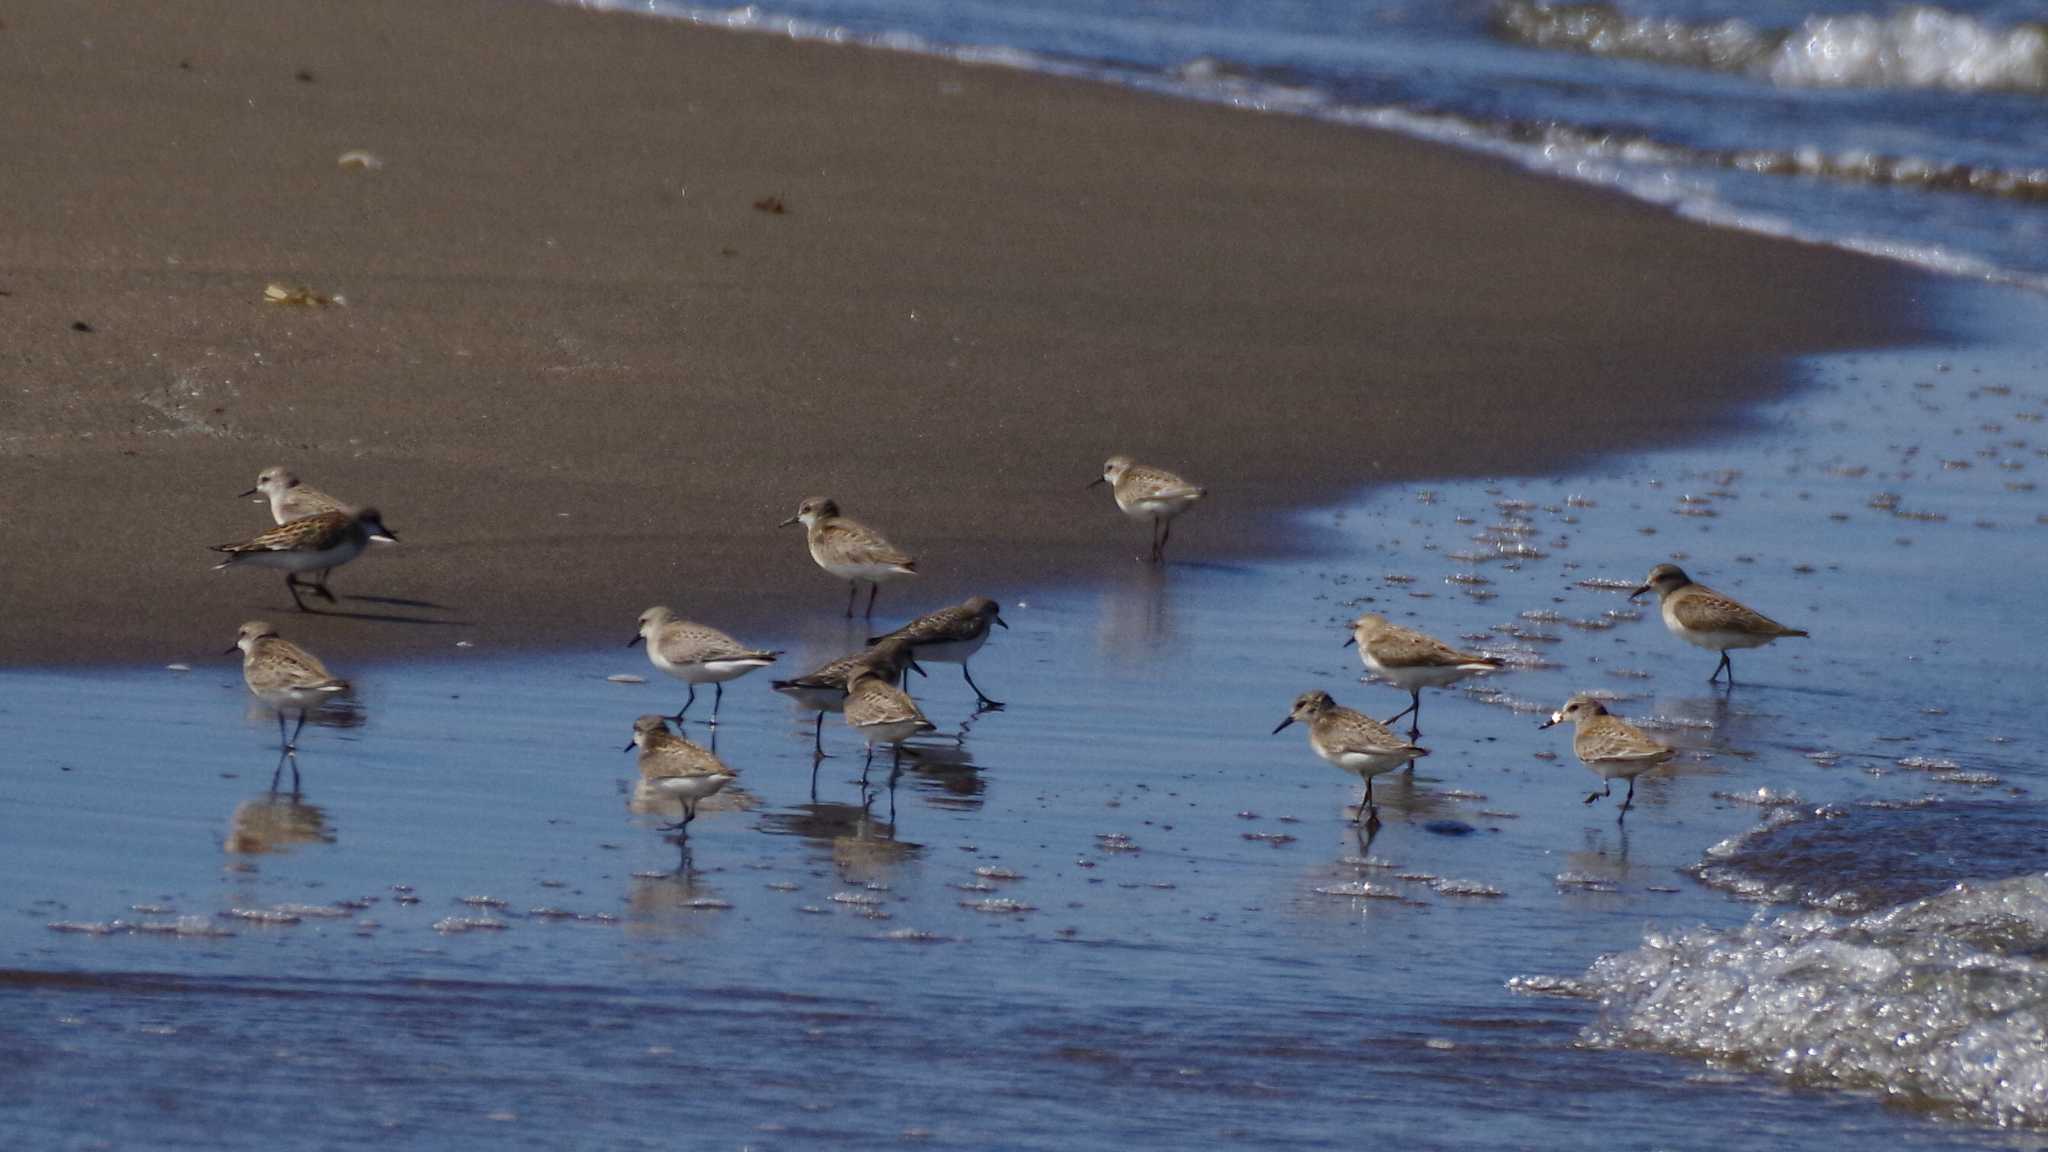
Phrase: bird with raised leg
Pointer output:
(317, 543)
(1412, 661)
(1146, 493)
(285, 677)
(1352, 741)
(696, 654)
(674, 768)
(1612, 748)
(952, 635)
(1707, 619)
(850, 550)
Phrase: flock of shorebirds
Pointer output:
(316, 533)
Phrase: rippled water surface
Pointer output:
(1119, 911)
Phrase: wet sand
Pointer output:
(582, 372)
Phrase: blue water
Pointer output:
(1120, 912)
(1914, 132)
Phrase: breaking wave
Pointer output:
(1915, 47)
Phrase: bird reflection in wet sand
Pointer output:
(674, 899)
(1135, 626)
(276, 823)
(863, 846)
(677, 769)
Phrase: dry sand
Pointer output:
(581, 373)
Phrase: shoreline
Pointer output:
(581, 373)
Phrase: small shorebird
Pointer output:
(696, 654)
(289, 499)
(1699, 615)
(824, 689)
(284, 676)
(1610, 746)
(1412, 660)
(675, 768)
(309, 544)
(1353, 741)
(951, 636)
(882, 713)
(1149, 494)
(850, 550)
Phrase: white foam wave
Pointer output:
(1913, 47)
(1940, 1003)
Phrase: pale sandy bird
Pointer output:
(1353, 741)
(289, 499)
(1412, 661)
(881, 713)
(1149, 494)
(1699, 615)
(676, 768)
(696, 654)
(823, 689)
(1612, 747)
(850, 550)
(284, 676)
(951, 636)
(314, 543)
(275, 824)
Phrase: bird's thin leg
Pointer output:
(320, 587)
(1372, 810)
(815, 761)
(284, 742)
(1414, 719)
(1723, 664)
(874, 590)
(818, 736)
(277, 773)
(980, 697)
(1414, 702)
(291, 585)
(678, 717)
(1631, 797)
(293, 744)
(852, 590)
(1165, 534)
(717, 699)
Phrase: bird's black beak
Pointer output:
(1550, 723)
(1282, 724)
(788, 522)
(232, 649)
(629, 745)
(1097, 480)
(1005, 627)
(634, 640)
(1639, 592)
(919, 669)
(386, 535)
(246, 495)
(1350, 640)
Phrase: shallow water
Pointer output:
(1118, 908)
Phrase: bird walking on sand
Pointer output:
(1612, 747)
(1701, 616)
(674, 767)
(1149, 494)
(1353, 741)
(823, 689)
(952, 635)
(285, 677)
(882, 713)
(850, 550)
(316, 543)
(1412, 660)
(289, 499)
(696, 654)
